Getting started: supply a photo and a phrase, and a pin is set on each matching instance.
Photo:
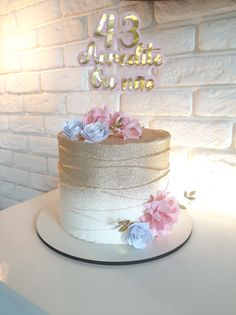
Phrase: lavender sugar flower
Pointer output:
(139, 235)
(95, 132)
(72, 128)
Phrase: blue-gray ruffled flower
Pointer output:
(73, 128)
(139, 235)
(95, 132)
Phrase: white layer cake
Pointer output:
(104, 183)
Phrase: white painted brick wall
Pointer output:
(11, 103)
(64, 80)
(217, 157)
(52, 166)
(53, 124)
(43, 146)
(6, 188)
(42, 85)
(44, 103)
(163, 103)
(235, 138)
(5, 157)
(42, 59)
(2, 89)
(27, 124)
(46, 11)
(221, 167)
(26, 40)
(30, 162)
(217, 34)
(172, 10)
(22, 83)
(7, 202)
(22, 193)
(216, 102)
(71, 53)
(73, 7)
(21, 41)
(80, 103)
(3, 123)
(13, 175)
(63, 32)
(13, 142)
(10, 63)
(43, 182)
(180, 39)
(206, 134)
(199, 70)
(7, 23)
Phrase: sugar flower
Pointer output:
(97, 114)
(161, 213)
(72, 128)
(109, 124)
(95, 132)
(139, 235)
(124, 126)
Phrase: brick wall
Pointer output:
(41, 85)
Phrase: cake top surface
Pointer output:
(148, 135)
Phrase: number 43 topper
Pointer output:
(140, 57)
(108, 22)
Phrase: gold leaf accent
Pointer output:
(191, 198)
(123, 228)
(121, 222)
(182, 207)
(124, 224)
(192, 193)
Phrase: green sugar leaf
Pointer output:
(191, 198)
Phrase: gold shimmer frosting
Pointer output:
(102, 183)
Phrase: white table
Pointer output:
(200, 278)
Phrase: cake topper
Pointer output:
(120, 59)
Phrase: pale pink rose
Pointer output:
(97, 114)
(161, 212)
(124, 126)
(132, 129)
(116, 119)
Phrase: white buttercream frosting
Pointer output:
(104, 183)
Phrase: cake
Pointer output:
(105, 186)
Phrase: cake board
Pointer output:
(51, 234)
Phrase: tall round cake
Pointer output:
(103, 183)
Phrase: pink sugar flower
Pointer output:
(161, 212)
(97, 114)
(125, 127)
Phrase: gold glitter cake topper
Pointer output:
(119, 45)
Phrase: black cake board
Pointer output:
(51, 234)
